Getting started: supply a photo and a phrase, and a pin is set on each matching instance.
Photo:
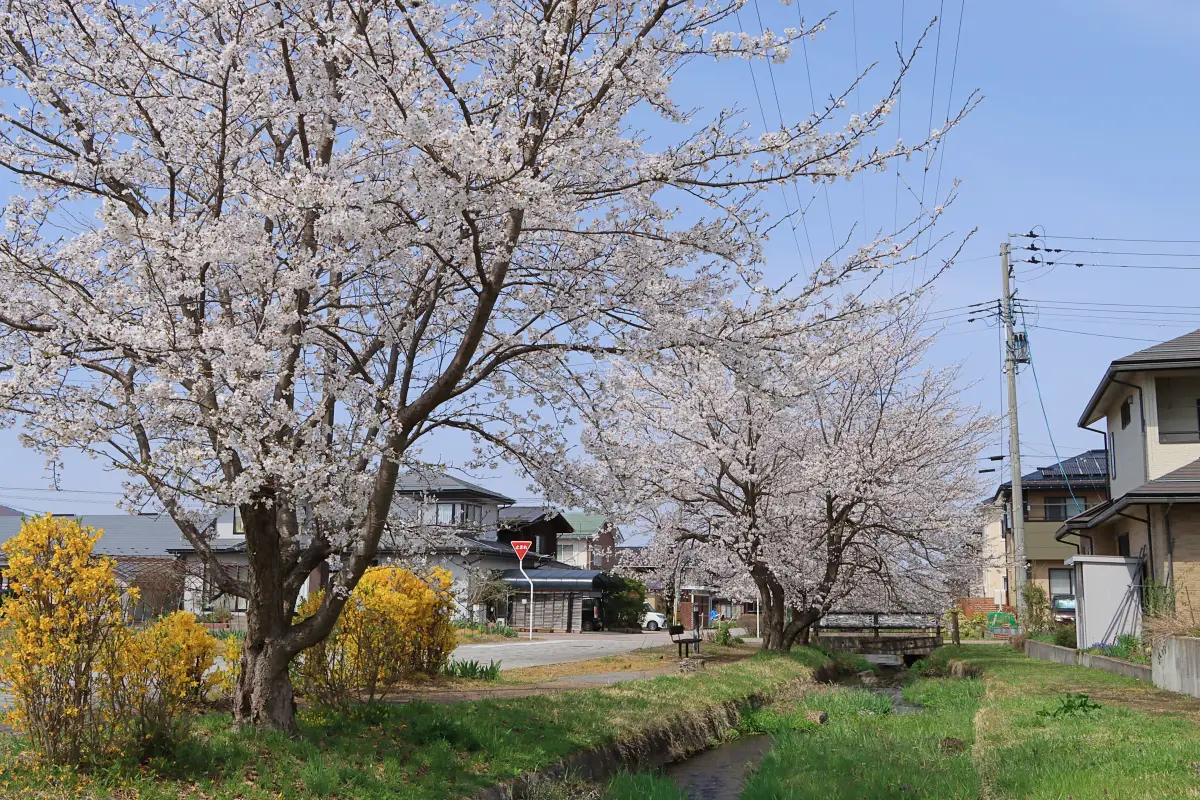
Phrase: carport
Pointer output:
(559, 597)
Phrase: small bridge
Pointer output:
(908, 635)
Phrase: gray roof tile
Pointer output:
(124, 534)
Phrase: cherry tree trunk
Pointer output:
(772, 608)
(801, 622)
(263, 696)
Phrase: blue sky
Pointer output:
(1087, 128)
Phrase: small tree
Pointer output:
(1035, 613)
(624, 606)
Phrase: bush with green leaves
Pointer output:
(1035, 614)
(724, 636)
(624, 605)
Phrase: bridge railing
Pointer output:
(878, 621)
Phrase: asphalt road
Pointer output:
(558, 649)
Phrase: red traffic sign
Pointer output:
(522, 548)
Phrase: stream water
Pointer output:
(720, 773)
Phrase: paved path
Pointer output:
(558, 649)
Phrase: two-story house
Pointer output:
(1052, 494)
(464, 525)
(1149, 403)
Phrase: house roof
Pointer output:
(228, 544)
(1087, 470)
(447, 486)
(1182, 352)
(5, 511)
(124, 534)
(516, 517)
(562, 580)
(587, 526)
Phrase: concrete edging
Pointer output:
(1067, 655)
(1117, 666)
(1051, 652)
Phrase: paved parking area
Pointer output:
(559, 648)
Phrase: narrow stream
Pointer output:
(720, 773)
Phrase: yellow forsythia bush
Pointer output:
(84, 685)
(163, 671)
(395, 625)
(62, 630)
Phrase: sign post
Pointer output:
(521, 549)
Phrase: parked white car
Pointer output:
(653, 620)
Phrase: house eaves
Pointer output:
(1182, 352)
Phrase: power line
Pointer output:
(862, 185)
(812, 99)
(1175, 267)
(779, 110)
(1035, 249)
(1100, 335)
(1032, 235)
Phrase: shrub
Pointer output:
(1064, 636)
(1127, 647)
(84, 686)
(395, 625)
(497, 628)
(1035, 613)
(723, 635)
(624, 606)
(1018, 641)
(224, 677)
(164, 670)
(63, 634)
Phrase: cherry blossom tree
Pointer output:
(828, 466)
(262, 251)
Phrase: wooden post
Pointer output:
(954, 627)
(875, 619)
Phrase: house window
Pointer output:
(459, 514)
(1061, 508)
(1126, 412)
(566, 552)
(1123, 545)
(1112, 454)
(1062, 582)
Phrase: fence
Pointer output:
(1177, 665)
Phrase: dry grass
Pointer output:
(651, 659)
(466, 636)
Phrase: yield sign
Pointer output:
(522, 548)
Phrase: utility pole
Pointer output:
(1011, 359)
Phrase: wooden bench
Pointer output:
(684, 639)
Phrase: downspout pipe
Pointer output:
(1107, 459)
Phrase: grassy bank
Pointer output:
(417, 751)
(1140, 743)
(1005, 743)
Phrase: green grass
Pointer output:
(1005, 744)
(867, 751)
(417, 751)
(1141, 743)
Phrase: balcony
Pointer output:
(1055, 511)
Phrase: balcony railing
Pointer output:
(1054, 512)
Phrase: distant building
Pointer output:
(142, 547)
(1052, 494)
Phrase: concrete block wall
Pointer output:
(1051, 652)
(1177, 665)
